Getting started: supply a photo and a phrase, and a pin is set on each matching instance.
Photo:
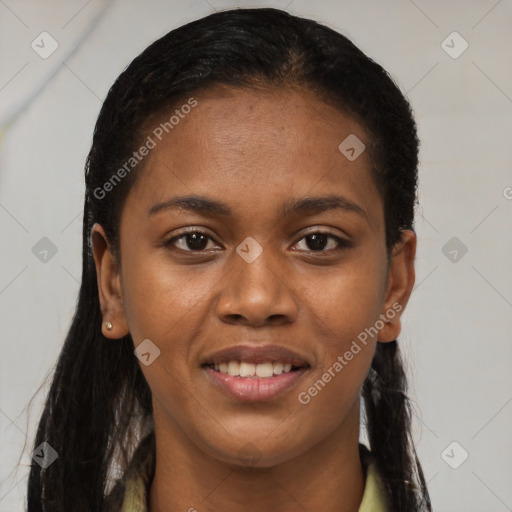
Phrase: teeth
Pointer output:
(265, 370)
(262, 370)
(247, 369)
(234, 368)
(278, 368)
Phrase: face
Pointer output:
(253, 266)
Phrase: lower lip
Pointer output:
(254, 389)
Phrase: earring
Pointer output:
(109, 326)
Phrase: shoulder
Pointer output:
(130, 494)
(374, 496)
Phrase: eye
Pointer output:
(190, 241)
(318, 241)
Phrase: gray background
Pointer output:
(456, 336)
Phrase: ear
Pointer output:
(109, 285)
(400, 282)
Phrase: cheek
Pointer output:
(160, 299)
(343, 314)
(335, 387)
(165, 305)
(346, 301)
(168, 305)
(344, 310)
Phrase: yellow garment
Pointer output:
(135, 499)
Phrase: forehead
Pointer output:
(255, 147)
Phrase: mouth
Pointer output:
(255, 373)
(247, 370)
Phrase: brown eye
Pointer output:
(191, 241)
(319, 241)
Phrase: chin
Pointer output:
(254, 453)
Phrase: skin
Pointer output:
(253, 151)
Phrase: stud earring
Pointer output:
(109, 326)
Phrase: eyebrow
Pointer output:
(306, 205)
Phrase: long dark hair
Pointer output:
(99, 406)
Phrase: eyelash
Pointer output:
(342, 243)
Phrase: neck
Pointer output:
(327, 477)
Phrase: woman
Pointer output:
(248, 252)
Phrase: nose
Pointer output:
(257, 293)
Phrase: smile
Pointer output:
(247, 370)
(245, 384)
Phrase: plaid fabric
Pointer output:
(132, 493)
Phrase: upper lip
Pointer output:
(255, 354)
